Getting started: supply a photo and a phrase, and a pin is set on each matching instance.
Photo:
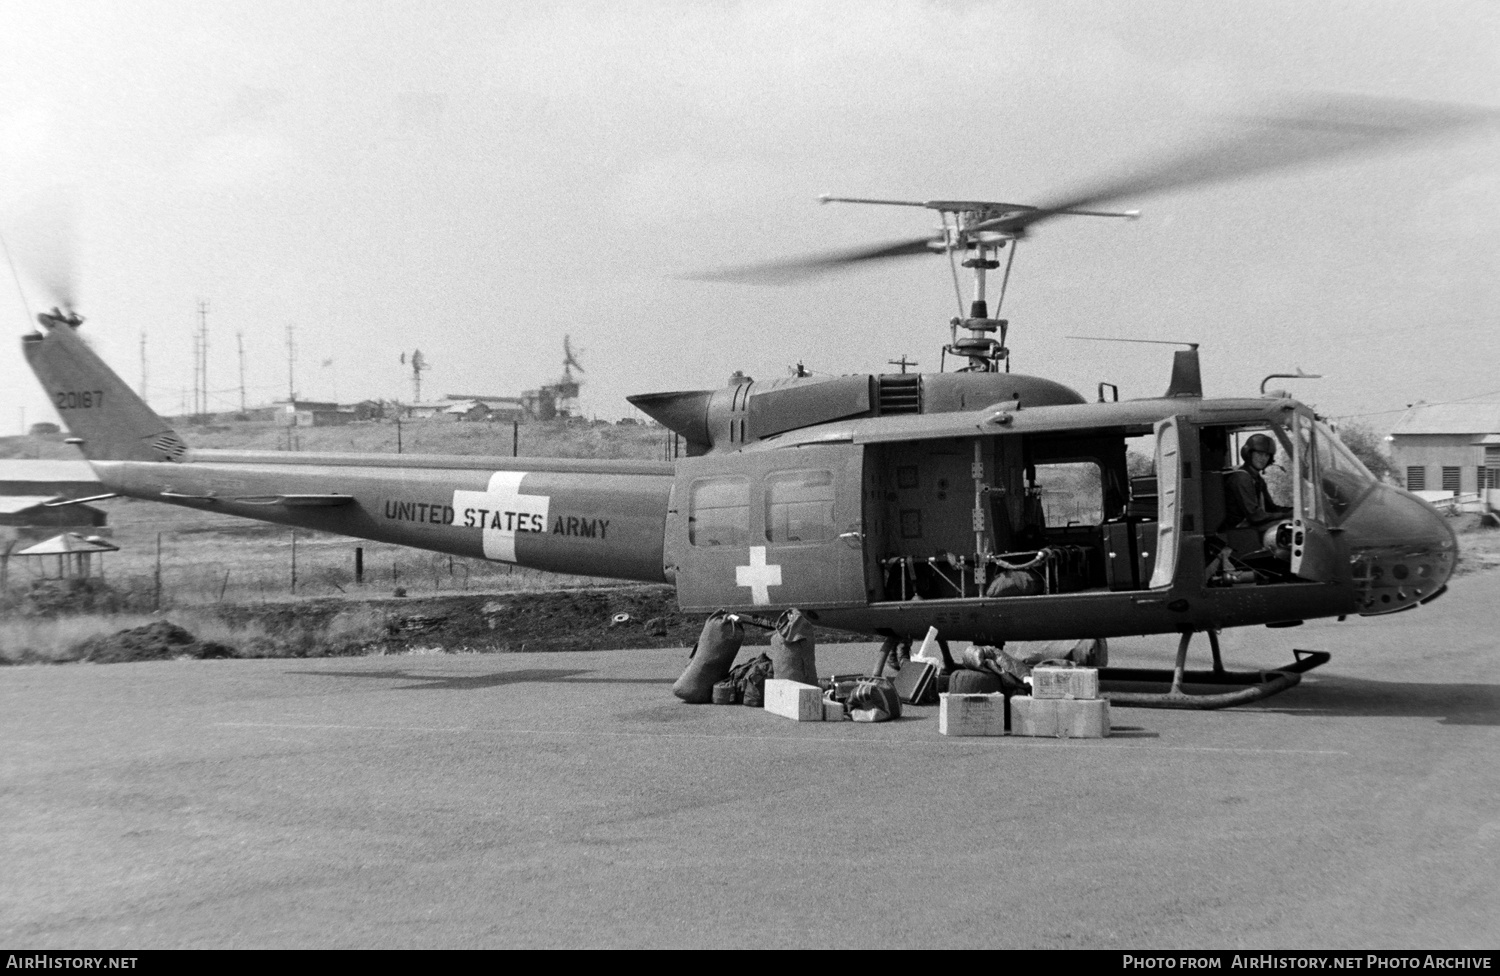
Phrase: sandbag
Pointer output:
(974, 683)
(793, 651)
(710, 660)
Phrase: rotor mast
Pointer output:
(980, 229)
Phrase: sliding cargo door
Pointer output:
(768, 530)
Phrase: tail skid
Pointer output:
(110, 422)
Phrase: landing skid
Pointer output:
(1255, 685)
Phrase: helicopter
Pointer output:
(987, 505)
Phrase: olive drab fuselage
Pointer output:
(992, 506)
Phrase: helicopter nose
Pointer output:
(1403, 550)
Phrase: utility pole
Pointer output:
(291, 364)
(240, 338)
(291, 387)
(200, 375)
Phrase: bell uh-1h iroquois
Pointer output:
(991, 505)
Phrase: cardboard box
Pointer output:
(1062, 718)
(971, 714)
(1064, 683)
(794, 700)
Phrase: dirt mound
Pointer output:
(160, 640)
(597, 618)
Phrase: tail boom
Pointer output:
(593, 523)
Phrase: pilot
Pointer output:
(1247, 500)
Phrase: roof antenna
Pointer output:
(1299, 375)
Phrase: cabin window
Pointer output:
(1416, 478)
(799, 506)
(1071, 494)
(719, 512)
(1450, 478)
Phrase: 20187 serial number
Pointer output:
(74, 400)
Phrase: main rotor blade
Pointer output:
(1322, 128)
(798, 269)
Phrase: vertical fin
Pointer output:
(113, 423)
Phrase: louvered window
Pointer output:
(1416, 478)
(1451, 478)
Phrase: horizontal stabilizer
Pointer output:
(80, 501)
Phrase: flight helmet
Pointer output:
(1258, 442)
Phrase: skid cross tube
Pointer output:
(1252, 685)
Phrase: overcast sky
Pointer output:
(477, 179)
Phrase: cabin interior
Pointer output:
(1049, 513)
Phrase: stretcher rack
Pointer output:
(958, 572)
(1250, 685)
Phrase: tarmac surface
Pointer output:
(528, 800)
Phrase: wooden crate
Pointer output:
(794, 700)
(971, 714)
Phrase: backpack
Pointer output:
(749, 680)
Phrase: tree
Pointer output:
(1369, 447)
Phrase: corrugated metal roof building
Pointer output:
(1448, 447)
(26, 486)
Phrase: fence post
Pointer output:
(359, 565)
(158, 571)
(294, 562)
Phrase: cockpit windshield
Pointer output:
(1344, 479)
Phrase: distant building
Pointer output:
(1451, 447)
(367, 410)
(540, 404)
(426, 411)
(311, 413)
(497, 409)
